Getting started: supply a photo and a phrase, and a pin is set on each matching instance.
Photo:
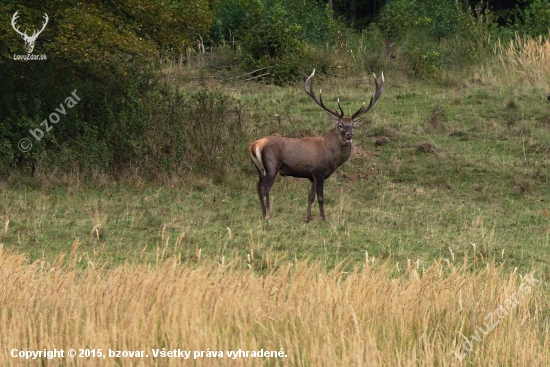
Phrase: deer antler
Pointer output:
(373, 99)
(319, 100)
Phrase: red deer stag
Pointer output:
(314, 158)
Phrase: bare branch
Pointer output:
(254, 77)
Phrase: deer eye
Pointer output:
(340, 125)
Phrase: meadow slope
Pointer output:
(438, 223)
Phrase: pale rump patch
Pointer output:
(255, 151)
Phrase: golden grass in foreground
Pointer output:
(365, 317)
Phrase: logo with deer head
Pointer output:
(29, 40)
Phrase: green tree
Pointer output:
(276, 34)
(534, 20)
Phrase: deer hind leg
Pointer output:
(264, 186)
(310, 200)
(261, 195)
(255, 152)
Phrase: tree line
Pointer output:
(110, 51)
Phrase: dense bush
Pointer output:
(202, 132)
(161, 132)
(534, 20)
(235, 20)
(230, 20)
(108, 53)
(437, 35)
(278, 34)
(292, 36)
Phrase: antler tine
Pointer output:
(340, 107)
(373, 99)
(319, 100)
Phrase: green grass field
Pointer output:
(465, 173)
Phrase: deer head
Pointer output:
(29, 40)
(345, 124)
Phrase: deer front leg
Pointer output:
(319, 182)
(310, 199)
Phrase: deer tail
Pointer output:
(255, 150)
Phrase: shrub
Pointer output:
(231, 20)
(215, 133)
(202, 133)
(534, 20)
(436, 36)
(108, 56)
(159, 132)
(275, 33)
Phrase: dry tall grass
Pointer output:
(522, 61)
(364, 317)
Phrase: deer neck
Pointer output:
(341, 149)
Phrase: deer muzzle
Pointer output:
(348, 137)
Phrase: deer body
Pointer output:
(314, 158)
(301, 157)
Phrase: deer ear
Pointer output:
(358, 122)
